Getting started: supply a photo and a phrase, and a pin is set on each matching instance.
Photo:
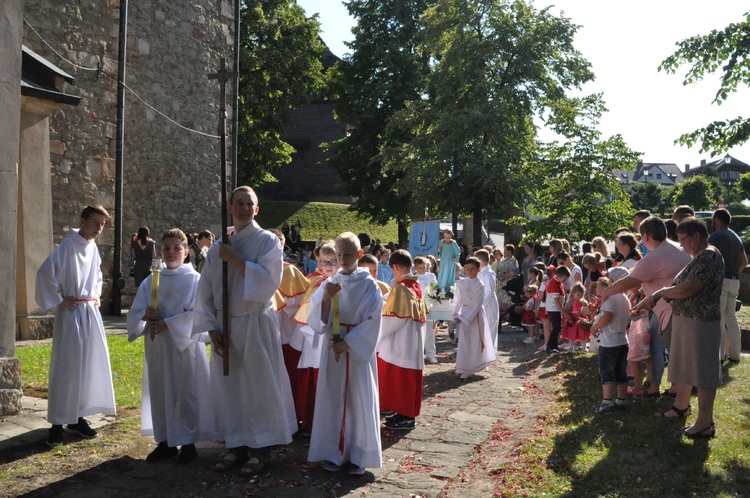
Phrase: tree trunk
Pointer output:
(403, 231)
(477, 224)
(513, 233)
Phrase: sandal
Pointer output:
(705, 433)
(254, 464)
(680, 412)
(647, 394)
(231, 460)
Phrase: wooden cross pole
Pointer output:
(223, 76)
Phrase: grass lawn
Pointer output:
(743, 316)
(126, 359)
(630, 453)
(322, 218)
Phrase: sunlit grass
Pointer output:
(126, 359)
(631, 453)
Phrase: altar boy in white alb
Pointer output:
(475, 351)
(80, 377)
(346, 426)
(491, 306)
(253, 404)
(176, 401)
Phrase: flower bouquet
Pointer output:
(439, 299)
(435, 293)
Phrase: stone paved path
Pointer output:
(456, 417)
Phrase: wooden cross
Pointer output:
(223, 76)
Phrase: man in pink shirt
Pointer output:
(658, 269)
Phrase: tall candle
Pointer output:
(336, 322)
(155, 273)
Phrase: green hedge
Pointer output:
(739, 222)
(322, 218)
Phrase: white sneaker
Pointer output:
(528, 340)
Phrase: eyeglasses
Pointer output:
(681, 239)
(329, 262)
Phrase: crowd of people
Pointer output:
(335, 352)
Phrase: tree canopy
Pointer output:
(577, 194)
(280, 70)
(451, 94)
(696, 191)
(725, 50)
(384, 71)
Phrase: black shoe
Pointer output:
(400, 423)
(162, 452)
(188, 453)
(82, 429)
(55, 436)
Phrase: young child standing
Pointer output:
(385, 274)
(425, 279)
(475, 349)
(346, 427)
(310, 343)
(370, 262)
(491, 306)
(528, 319)
(555, 297)
(80, 377)
(610, 326)
(572, 331)
(400, 349)
(542, 316)
(176, 405)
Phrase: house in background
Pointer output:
(727, 168)
(308, 177)
(663, 173)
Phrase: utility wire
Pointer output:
(101, 71)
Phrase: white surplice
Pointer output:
(80, 376)
(491, 306)
(253, 404)
(430, 349)
(176, 397)
(475, 351)
(310, 343)
(360, 304)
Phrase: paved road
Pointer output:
(456, 417)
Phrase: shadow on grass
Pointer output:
(633, 452)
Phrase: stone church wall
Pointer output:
(171, 176)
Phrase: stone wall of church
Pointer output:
(171, 176)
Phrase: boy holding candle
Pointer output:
(475, 349)
(80, 377)
(401, 347)
(175, 407)
(346, 427)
